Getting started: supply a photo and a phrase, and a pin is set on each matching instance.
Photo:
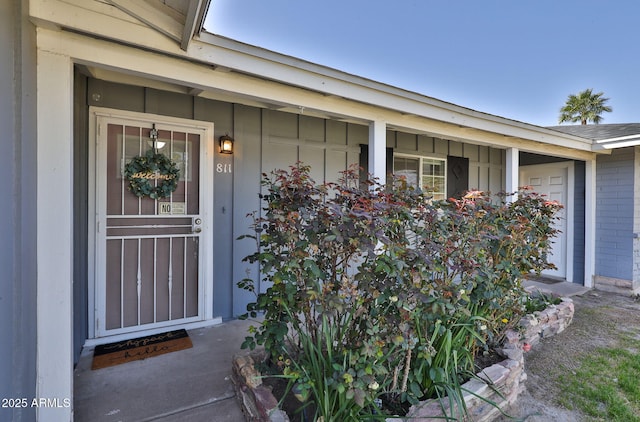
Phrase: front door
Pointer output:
(553, 180)
(151, 249)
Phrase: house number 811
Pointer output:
(223, 168)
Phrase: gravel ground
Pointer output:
(599, 320)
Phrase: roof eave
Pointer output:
(619, 142)
(194, 21)
(331, 88)
(242, 57)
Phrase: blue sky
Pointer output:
(518, 59)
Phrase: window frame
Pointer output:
(421, 159)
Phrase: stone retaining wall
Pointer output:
(500, 383)
(257, 401)
(503, 381)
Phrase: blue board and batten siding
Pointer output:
(579, 222)
(256, 132)
(18, 164)
(614, 214)
(264, 140)
(486, 164)
(81, 217)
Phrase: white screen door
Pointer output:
(150, 253)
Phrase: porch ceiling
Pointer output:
(109, 75)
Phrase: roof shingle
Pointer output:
(599, 132)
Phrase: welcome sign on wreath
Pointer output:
(154, 175)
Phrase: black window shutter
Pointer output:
(457, 176)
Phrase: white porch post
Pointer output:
(513, 168)
(54, 372)
(590, 223)
(378, 150)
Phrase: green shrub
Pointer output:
(382, 287)
(538, 301)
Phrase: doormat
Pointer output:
(124, 351)
(544, 279)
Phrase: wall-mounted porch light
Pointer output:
(154, 143)
(226, 144)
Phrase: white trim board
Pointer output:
(93, 342)
(207, 169)
(374, 108)
(54, 255)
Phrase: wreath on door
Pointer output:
(154, 175)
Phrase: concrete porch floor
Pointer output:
(560, 288)
(189, 385)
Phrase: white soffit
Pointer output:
(177, 19)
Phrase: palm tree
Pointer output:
(584, 107)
